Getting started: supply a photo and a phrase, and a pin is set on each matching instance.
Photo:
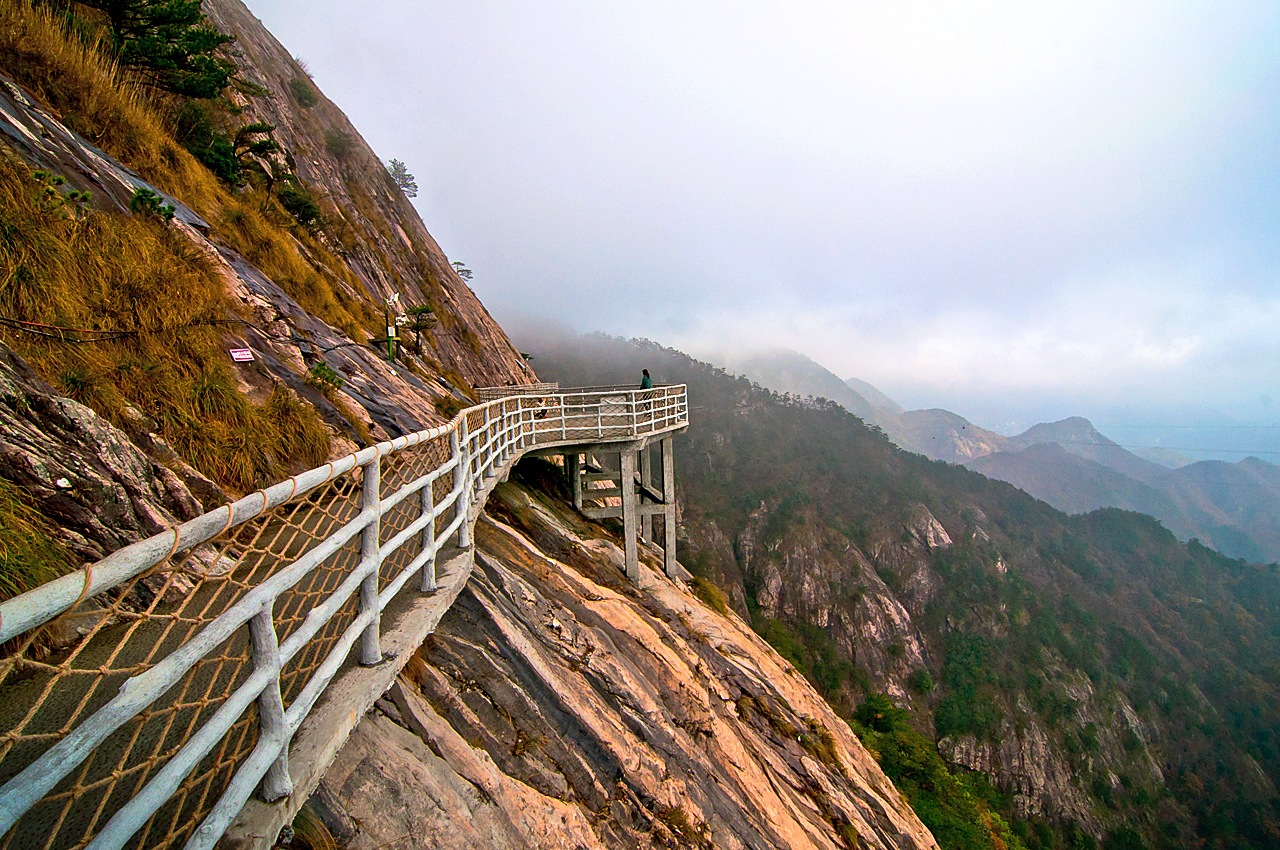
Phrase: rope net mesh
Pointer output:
(399, 470)
(55, 677)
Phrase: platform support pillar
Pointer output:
(573, 470)
(646, 479)
(630, 496)
(669, 500)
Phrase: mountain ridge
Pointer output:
(1195, 501)
(1087, 664)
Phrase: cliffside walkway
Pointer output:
(146, 697)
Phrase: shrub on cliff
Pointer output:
(299, 202)
(404, 181)
(961, 810)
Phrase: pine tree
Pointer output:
(170, 43)
(403, 179)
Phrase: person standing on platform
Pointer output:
(646, 383)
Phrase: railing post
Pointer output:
(485, 451)
(429, 531)
(266, 653)
(500, 436)
(370, 648)
(461, 444)
(494, 439)
(508, 442)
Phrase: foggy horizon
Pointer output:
(1015, 214)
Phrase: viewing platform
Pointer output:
(192, 688)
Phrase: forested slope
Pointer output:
(1112, 681)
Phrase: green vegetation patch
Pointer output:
(815, 655)
(710, 595)
(961, 810)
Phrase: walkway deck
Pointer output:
(149, 695)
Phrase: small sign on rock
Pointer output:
(241, 355)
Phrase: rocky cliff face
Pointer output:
(810, 574)
(872, 603)
(559, 706)
(378, 234)
(89, 478)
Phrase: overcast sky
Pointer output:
(1018, 211)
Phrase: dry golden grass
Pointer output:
(116, 272)
(265, 244)
(309, 831)
(29, 554)
(108, 271)
(96, 99)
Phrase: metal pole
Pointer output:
(276, 783)
(646, 478)
(370, 649)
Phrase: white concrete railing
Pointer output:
(483, 441)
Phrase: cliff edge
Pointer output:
(557, 705)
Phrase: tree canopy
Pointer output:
(170, 43)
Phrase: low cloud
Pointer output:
(1061, 205)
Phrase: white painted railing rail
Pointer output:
(221, 634)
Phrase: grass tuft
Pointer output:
(30, 555)
(710, 595)
(248, 229)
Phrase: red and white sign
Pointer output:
(242, 355)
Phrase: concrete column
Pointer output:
(669, 499)
(573, 469)
(629, 494)
(646, 478)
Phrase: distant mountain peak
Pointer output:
(785, 370)
(1073, 429)
(878, 400)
